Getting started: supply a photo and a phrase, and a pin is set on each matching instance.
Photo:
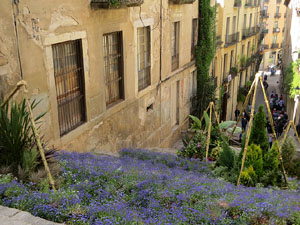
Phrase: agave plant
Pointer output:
(16, 139)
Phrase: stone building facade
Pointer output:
(274, 16)
(238, 40)
(110, 76)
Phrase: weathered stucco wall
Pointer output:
(128, 123)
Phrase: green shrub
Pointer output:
(226, 156)
(254, 158)
(258, 134)
(271, 158)
(288, 152)
(249, 177)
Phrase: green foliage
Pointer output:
(249, 177)
(288, 152)
(290, 162)
(196, 125)
(243, 61)
(243, 92)
(271, 158)
(17, 150)
(258, 134)
(254, 158)
(204, 55)
(226, 156)
(291, 79)
(196, 146)
(233, 70)
(272, 174)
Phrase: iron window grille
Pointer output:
(69, 82)
(143, 56)
(194, 37)
(113, 67)
(175, 45)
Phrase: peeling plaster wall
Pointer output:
(9, 66)
(128, 123)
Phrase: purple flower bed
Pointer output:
(148, 188)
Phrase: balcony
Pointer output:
(182, 1)
(264, 14)
(265, 46)
(277, 15)
(266, 1)
(232, 39)
(108, 4)
(265, 31)
(284, 15)
(219, 42)
(248, 32)
(248, 4)
(276, 30)
(237, 3)
(278, 1)
(283, 29)
(275, 46)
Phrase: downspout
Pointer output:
(16, 2)
(160, 62)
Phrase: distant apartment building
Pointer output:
(237, 49)
(274, 15)
(291, 51)
(110, 74)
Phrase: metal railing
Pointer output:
(249, 32)
(265, 46)
(276, 45)
(265, 31)
(232, 38)
(218, 41)
(237, 3)
(107, 4)
(182, 1)
(276, 30)
(277, 15)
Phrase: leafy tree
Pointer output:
(258, 134)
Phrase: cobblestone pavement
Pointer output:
(10, 216)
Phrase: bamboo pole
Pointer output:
(20, 84)
(243, 109)
(280, 157)
(39, 145)
(273, 130)
(202, 117)
(216, 114)
(268, 108)
(208, 132)
(38, 139)
(248, 130)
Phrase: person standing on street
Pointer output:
(244, 123)
(236, 113)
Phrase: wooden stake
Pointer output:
(243, 109)
(39, 145)
(248, 130)
(208, 132)
(268, 108)
(216, 114)
(297, 135)
(273, 130)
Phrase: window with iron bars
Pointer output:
(175, 45)
(194, 37)
(143, 57)
(69, 82)
(113, 67)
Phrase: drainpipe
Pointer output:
(15, 3)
